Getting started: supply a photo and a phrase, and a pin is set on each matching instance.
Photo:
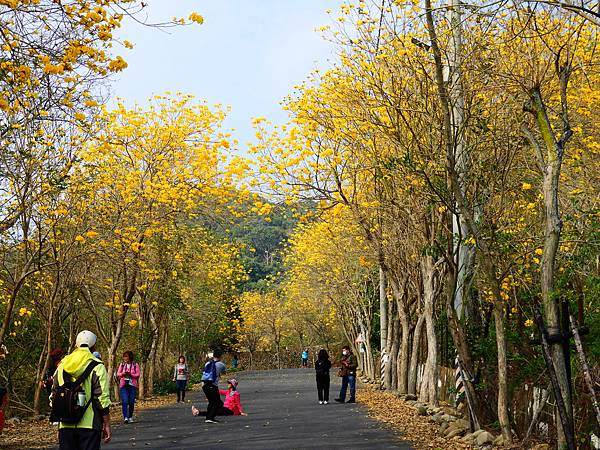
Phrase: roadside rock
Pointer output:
(477, 433)
(410, 397)
(499, 441)
(541, 447)
(468, 439)
(422, 411)
(436, 418)
(454, 432)
(484, 438)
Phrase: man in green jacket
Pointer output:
(88, 432)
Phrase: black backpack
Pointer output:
(65, 406)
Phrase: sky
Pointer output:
(248, 55)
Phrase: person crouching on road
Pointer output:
(128, 374)
(87, 433)
(232, 405)
(348, 374)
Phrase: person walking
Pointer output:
(84, 374)
(180, 377)
(348, 374)
(305, 358)
(210, 385)
(128, 375)
(322, 366)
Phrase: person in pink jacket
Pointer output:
(128, 374)
(231, 406)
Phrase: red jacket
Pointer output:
(232, 401)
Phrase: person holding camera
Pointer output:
(128, 375)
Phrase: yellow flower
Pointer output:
(539, 251)
(526, 186)
(117, 64)
(133, 323)
(195, 17)
(91, 234)
(529, 323)
(80, 239)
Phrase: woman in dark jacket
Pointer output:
(322, 366)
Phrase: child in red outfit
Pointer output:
(232, 405)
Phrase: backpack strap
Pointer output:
(86, 373)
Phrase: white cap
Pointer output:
(85, 338)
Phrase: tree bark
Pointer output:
(383, 323)
(431, 366)
(414, 358)
(551, 178)
(503, 397)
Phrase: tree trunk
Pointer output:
(42, 366)
(503, 398)
(394, 351)
(414, 358)
(429, 294)
(112, 354)
(151, 364)
(403, 353)
(553, 226)
(383, 322)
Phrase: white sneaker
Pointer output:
(320, 402)
(325, 402)
(131, 420)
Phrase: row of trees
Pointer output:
(454, 156)
(110, 220)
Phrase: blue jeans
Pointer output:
(127, 400)
(348, 379)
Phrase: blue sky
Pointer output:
(248, 54)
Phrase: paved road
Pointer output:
(283, 414)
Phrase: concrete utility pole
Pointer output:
(463, 254)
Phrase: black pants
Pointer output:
(214, 400)
(221, 412)
(323, 387)
(79, 439)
